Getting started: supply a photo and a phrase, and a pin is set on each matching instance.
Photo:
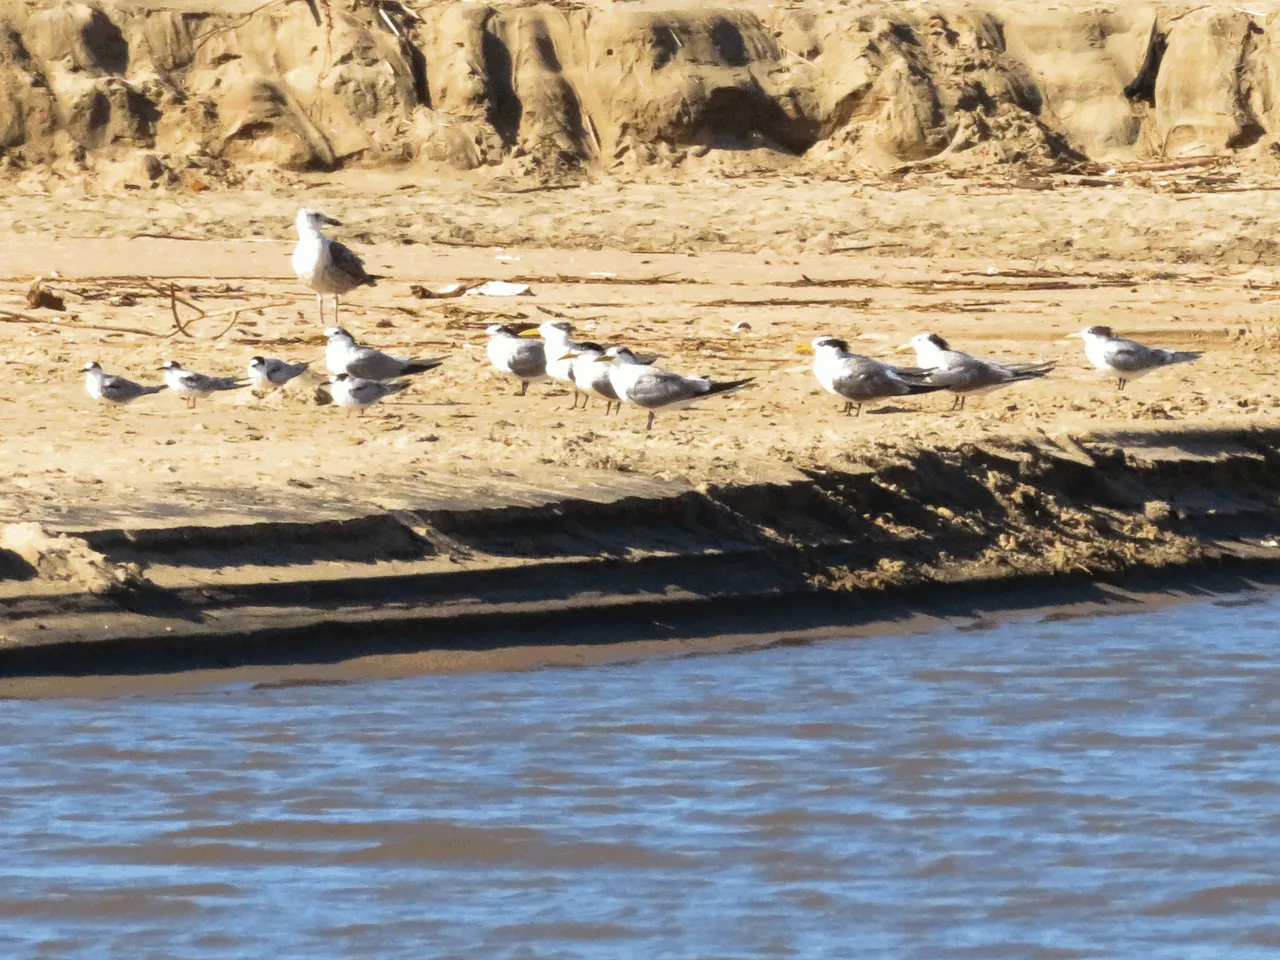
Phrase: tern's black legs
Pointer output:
(1123, 381)
(958, 403)
(649, 426)
(524, 388)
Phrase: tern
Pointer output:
(593, 378)
(513, 354)
(860, 379)
(652, 389)
(359, 392)
(963, 374)
(114, 390)
(1127, 359)
(560, 352)
(324, 265)
(193, 386)
(343, 355)
(267, 373)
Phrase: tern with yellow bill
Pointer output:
(963, 374)
(1127, 359)
(513, 354)
(652, 389)
(860, 379)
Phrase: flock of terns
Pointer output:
(361, 375)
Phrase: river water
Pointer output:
(1063, 787)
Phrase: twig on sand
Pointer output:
(9, 316)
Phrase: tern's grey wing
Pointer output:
(908, 373)
(370, 391)
(529, 359)
(347, 263)
(121, 390)
(962, 372)
(280, 372)
(371, 364)
(862, 378)
(1129, 356)
(199, 383)
(659, 388)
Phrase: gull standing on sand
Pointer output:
(324, 265)
(652, 389)
(114, 390)
(1127, 359)
(343, 355)
(267, 373)
(860, 379)
(358, 392)
(511, 353)
(193, 386)
(592, 378)
(560, 352)
(963, 374)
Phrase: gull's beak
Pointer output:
(529, 333)
(329, 221)
(804, 348)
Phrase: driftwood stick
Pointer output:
(9, 316)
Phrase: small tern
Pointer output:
(359, 392)
(267, 373)
(193, 386)
(114, 390)
(652, 389)
(513, 354)
(560, 352)
(343, 355)
(860, 379)
(593, 378)
(324, 265)
(963, 374)
(1127, 359)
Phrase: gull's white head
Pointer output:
(925, 345)
(91, 366)
(1093, 333)
(825, 344)
(331, 332)
(619, 355)
(555, 330)
(310, 221)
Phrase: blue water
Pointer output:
(1093, 787)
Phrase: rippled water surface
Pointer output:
(1103, 787)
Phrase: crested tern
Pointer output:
(652, 389)
(512, 353)
(343, 355)
(963, 374)
(267, 373)
(593, 378)
(324, 265)
(359, 392)
(1127, 359)
(860, 379)
(117, 391)
(560, 352)
(193, 386)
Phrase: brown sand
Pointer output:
(656, 177)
